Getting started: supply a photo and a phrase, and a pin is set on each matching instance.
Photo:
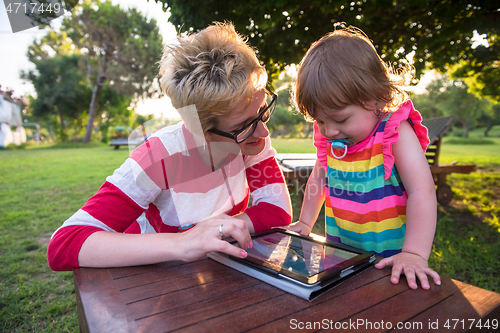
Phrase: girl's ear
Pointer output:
(374, 106)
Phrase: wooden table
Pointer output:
(205, 296)
(296, 166)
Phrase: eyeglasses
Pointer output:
(244, 133)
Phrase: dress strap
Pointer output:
(406, 112)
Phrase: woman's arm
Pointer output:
(109, 249)
(421, 211)
(110, 209)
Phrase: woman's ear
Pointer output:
(208, 136)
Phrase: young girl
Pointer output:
(371, 167)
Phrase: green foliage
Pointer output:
(490, 118)
(465, 107)
(446, 97)
(118, 53)
(122, 46)
(123, 49)
(459, 141)
(61, 89)
(41, 17)
(113, 110)
(438, 32)
(286, 121)
(15, 147)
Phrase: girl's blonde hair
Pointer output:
(343, 68)
(212, 69)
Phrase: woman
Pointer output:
(198, 172)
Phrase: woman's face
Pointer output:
(241, 115)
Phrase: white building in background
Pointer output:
(10, 117)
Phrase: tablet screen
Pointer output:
(300, 256)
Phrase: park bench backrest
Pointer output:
(436, 127)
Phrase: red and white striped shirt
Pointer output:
(164, 184)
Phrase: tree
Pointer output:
(467, 108)
(122, 50)
(42, 12)
(61, 89)
(428, 103)
(438, 32)
(286, 120)
(490, 118)
(113, 109)
(446, 97)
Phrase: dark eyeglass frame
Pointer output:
(253, 123)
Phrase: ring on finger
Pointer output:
(220, 231)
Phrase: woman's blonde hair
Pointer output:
(212, 69)
(343, 68)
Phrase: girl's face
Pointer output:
(241, 115)
(354, 122)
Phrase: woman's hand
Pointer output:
(299, 226)
(411, 265)
(205, 237)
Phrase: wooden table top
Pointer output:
(205, 296)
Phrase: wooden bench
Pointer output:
(126, 142)
(437, 128)
(298, 167)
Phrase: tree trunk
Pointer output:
(59, 113)
(63, 135)
(92, 108)
(96, 92)
(487, 130)
(466, 131)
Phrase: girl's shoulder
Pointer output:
(406, 112)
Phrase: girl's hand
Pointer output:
(411, 265)
(205, 237)
(299, 227)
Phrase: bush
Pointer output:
(469, 141)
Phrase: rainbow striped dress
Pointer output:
(365, 204)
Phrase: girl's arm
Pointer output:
(314, 197)
(421, 212)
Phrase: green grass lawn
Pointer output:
(42, 187)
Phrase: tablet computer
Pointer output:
(302, 259)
